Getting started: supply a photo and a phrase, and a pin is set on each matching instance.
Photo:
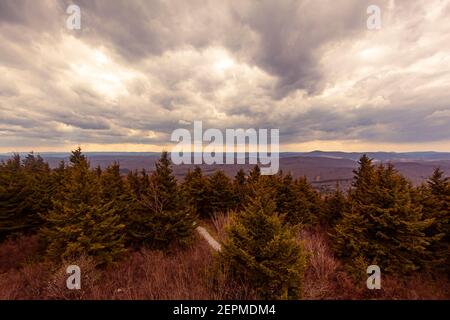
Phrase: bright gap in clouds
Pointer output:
(223, 64)
(93, 68)
(310, 68)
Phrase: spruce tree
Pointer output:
(310, 203)
(435, 197)
(291, 202)
(382, 225)
(98, 171)
(133, 182)
(138, 182)
(79, 223)
(59, 176)
(364, 177)
(39, 184)
(165, 183)
(113, 187)
(12, 216)
(254, 175)
(196, 191)
(240, 186)
(262, 251)
(25, 193)
(335, 206)
(160, 217)
(116, 194)
(221, 196)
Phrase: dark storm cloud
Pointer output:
(137, 29)
(397, 125)
(291, 34)
(139, 69)
(86, 122)
(42, 15)
(282, 37)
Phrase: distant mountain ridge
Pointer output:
(378, 155)
(323, 169)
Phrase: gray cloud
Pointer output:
(282, 37)
(138, 69)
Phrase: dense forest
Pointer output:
(77, 212)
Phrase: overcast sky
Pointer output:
(137, 70)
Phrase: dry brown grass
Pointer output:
(219, 222)
(190, 274)
(326, 279)
(181, 274)
(56, 287)
(14, 253)
(154, 275)
(322, 267)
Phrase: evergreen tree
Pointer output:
(221, 196)
(335, 206)
(79, 222)
(253, 178)
(78, 158)
(240, 178)
(310, 207)
(112, 187)
(288, 201)
(133, 182)
(262, 251)
(240, 187)
(165, 183)
(254, 175)
(39, 186)
(160, 217)
(25, 192)
(382, 225)
(296, 200)
(435, 198)
(98, 171)
(364, 177)
(116, 194)
(59, 175)
(196, 191)
(138, 182)
(12, 216)
(274, 181)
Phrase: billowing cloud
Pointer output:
(139, 69)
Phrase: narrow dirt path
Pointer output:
(211, 241)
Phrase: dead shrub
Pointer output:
(220, 221)
(26, 283)
(192, 273)
(14, 253)
(57, 287)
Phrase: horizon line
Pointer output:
(325, 151)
